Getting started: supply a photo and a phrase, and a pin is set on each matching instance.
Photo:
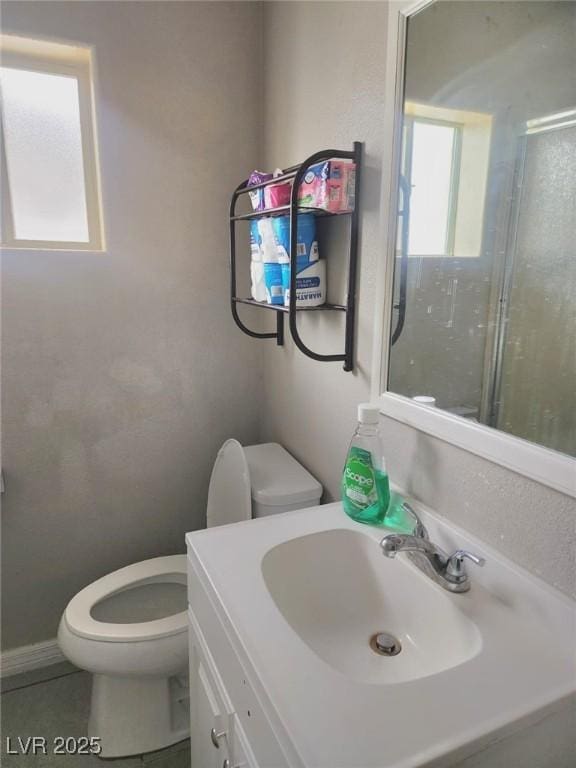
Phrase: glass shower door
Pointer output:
(536, 368)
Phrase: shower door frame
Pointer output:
(503, 273)
(490, 408)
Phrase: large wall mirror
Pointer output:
(484, 291)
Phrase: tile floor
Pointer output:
(55, 702)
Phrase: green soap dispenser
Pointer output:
(365, 485)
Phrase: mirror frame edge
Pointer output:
(543, 465)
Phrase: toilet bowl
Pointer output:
(130, 622)
(129, 628)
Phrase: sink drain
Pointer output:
(385, 644)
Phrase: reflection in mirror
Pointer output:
(484, 310)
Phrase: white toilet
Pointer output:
(129, 628)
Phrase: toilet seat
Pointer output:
(80, 621)
(229, 495)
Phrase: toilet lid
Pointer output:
(78, 613)
(229, 497)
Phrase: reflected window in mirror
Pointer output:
(484, 305)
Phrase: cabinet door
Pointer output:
(208, 717)
(242, 756)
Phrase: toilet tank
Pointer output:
(278, 482)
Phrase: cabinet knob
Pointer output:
(228, 764)
(215, 736)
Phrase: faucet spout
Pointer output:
(395, 542)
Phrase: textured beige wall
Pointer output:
(331, 94)
(123, 371)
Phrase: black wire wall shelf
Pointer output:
(296, 174)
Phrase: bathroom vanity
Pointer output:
(284, 670)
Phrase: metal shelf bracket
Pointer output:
(297, 173)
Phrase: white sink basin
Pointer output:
(299, 596)
(337, 590)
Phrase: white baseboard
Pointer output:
(29, 657)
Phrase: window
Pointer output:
(434, 152)
(445, 156)
(50, 186)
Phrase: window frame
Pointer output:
(51, 58)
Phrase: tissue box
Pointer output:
(330, 186)
(277, 195)
(273, 196)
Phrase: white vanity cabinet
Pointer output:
(210, 718)
(217, 737)
(229, 725)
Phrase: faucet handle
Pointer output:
(455, 567)
(419, 529)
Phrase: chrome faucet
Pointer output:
(447, 570)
